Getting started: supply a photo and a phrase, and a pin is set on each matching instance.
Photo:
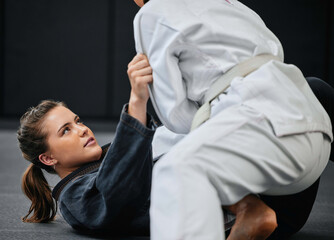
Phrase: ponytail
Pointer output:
(36, 188)
(32, 142)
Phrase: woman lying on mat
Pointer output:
(102, 188)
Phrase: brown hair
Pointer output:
(32, 142)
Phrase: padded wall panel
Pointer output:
(331, 44)
(1, 57)
(301, 26)
(56, 49)
(78, 50)
(121, 53)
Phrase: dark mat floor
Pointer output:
(13, 203)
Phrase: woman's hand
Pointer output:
(140, 75)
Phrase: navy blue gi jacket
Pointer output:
(112, 194)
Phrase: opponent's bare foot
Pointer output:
(254, 219)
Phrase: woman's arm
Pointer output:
(111, 197)
(114, 196)
(140, 75)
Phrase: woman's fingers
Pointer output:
(140, 75)
(139, 68)
(139, 65)
(144, 71)
(142, 81)
(137, 58)
(136, 74)
(139, 89)
(145, 79)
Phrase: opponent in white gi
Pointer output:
(265, 131)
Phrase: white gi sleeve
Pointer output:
(163, 46)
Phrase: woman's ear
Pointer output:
(47, 159)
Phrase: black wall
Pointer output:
(305, 29)
(1, 56)
(331, 42)
(78, 50)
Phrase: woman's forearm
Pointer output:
(140, 75)
(137, 108)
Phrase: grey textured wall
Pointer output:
(78, 50)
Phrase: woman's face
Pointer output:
(70, 142)
(140, 3)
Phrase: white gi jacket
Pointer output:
(191, 43)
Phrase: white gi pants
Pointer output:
(239, 154)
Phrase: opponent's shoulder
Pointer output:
(163, 8)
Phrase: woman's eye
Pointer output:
(66, 130)
(79, 121)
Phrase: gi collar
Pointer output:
(87, 168)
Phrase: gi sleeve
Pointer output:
(111, 197)
(163, 45)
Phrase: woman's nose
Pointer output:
(83, 130)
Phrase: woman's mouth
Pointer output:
(90, 141)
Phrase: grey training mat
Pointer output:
(320, 225)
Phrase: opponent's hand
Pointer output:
(140, 75)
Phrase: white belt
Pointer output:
(222, 83)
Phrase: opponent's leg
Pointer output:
(293, 210)
(184, 204)
(325, 94)
(243, 157)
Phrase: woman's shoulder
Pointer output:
(84, 173)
